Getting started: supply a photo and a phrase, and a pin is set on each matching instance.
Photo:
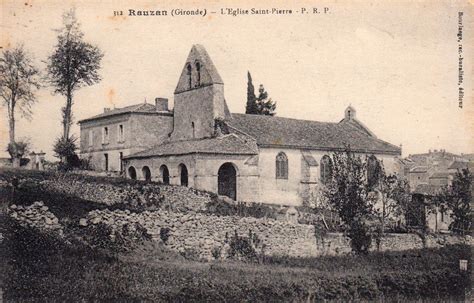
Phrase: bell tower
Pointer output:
(349, 113)
(198, 97)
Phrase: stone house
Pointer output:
(249, 158)
(110, 136)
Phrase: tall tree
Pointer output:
(458, 199)
(72, 65)
(19, 80)
(393, 195)
(251, 107)
(265, 105)
(349, 194)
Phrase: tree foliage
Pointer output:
(251, 107)
(393, 193)
(18, 149)
(19, 81)
(347, 190)
(65, 149)
(265, 105)
(458, 198)
(261, 105)
(349, 194)
(72, 65)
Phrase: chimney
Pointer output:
(161, 104)
(106, 109)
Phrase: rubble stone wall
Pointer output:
(176, 197)
(203, 234)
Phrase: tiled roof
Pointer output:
(440, 175)
(286, 132)
(426, 189)
(460, 165)
(227, 144)
(137, 108)
(419, 169)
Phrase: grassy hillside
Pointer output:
(35, 266)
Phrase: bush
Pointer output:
(361, 238)
(105, 237)
(65, 149)
(164, 234)
(18, 149)
(243, 248)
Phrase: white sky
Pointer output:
(395, 62)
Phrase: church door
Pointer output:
(227, 181)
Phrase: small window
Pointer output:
(198, 68)
(106, 162)
(121, 161)
(91, 138)
(120, 133)
(189, 68)
(325, 169)
(194, 130)
(281, 166)
(105, 135)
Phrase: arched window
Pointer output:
(373, 171)
(198, 69)
(189, 68)
(146, 173)
(183, 173)
(132, 173)
(281, 166)
(165, 174)
(325, 169)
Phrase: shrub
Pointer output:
(18, 149)
(105, 237)
(248, 248)
(361, 238)
(164, 234)
(65, 149)
(190, 254)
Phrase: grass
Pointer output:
(40, 267)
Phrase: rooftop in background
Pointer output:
(142, 108)
(419, 169)
(461, 165)
(426, 189)
(440, 175)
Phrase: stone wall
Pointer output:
(174, 197)
(36, 215)
(203, 234)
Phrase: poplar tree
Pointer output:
(251, 107)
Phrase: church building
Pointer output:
(200, 144)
